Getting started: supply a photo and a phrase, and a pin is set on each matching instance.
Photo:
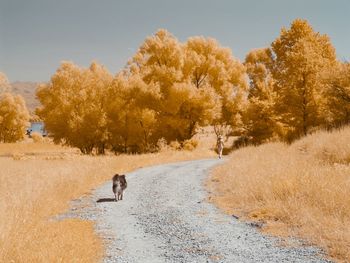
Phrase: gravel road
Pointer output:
(165, 217)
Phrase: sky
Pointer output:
(36, 35)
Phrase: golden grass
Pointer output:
(301, 190)
(37, 181)
(29, 148)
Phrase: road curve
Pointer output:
(165, 217)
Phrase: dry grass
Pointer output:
(301, 190)
(37, 137)
(37, 181)
(28, 148)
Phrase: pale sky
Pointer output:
(36, 35)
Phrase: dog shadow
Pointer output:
(104, 200)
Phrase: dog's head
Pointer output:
(119, 178)
(122, 179)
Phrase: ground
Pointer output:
(165, 217)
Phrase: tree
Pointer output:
(4, 83)
(337, 93)
(301, 55)
(198, 83)
(159, 63)
(167, 90)
(159, 60)
(73, 106)
(260, 120)
(185, 110)
(213, 68)
(131, 121)
(14, 117)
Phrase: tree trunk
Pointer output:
(304, 106)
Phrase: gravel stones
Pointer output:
(164, 218)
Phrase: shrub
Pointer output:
(37, 137)
(162, 144)
(190, 145)
(175, 145)
(14, 117)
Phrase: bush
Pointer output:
(37, 137)
(162, 144)
(175, 145)
(242, 141)
(14, 117)
(190, 145)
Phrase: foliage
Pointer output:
(169, 89)
(37, 137)
(291, 89)
(73, 106)
(210, 66)
(190, 145)
(337, 92)
(130, 119)
(260, 120)
(198, 83)
(14, 117)
(4, 83)
(175, 145)
(301, 57)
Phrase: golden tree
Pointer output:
(260, 120)
(198, 83)
(338, 95)
(131, 121)
(213, 68)
(167, 90)
(159, 64)
(159, 60)
(14, 117)
(185, 109)
(73, 106)
(4, 83)
(301, 55)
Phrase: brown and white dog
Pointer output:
(119, 185)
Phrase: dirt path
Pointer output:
(164, 217)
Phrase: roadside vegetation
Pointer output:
(14, 117)
(166, 92)
(37, 181)
(302, 189)
(298, 185)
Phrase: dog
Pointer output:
(119, 185)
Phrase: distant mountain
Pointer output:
(27, 91)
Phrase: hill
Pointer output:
(27, 91)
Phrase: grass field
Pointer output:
(300, 190)
(37, 181)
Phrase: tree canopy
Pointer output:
(291, 89)
(14, 117)
(4, 83)
(169, 89)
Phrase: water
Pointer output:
(38, 127)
